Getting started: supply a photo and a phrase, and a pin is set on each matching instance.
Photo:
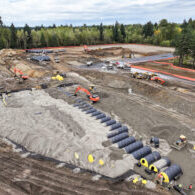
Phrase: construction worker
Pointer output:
(92, 88)
(190, 187)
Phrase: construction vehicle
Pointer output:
(93, 97)
(158, 80)
(137, 75)
(90, 63)
(20, 75)
(180, 143)
(147, 76)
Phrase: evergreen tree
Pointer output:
(123, 32)
(27, 30)
(148, 29)
(1, 22)
(183, 45)
(101, 30)
(192, 49)
(116, 32)
(163, 23)
(13, 36)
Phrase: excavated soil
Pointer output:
(45, 122)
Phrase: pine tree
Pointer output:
(192, 49)
(29, 36)
(183, 45)
(148, 29)
(116, 32)
(101, 29)
(123, 33)
(1, 22)
(13, 36)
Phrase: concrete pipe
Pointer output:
(160, 164)
(91, 111)
(171, 173)
(119, 137)
(100, 116)
(111, 122)
(149, 159)
(133, 147)
(115, 126)
(116, 132)
(138, 154)
(96, 113)
(105, 119)
(126, 142)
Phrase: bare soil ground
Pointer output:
(149, 110)
(20, 176)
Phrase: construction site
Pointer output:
(104, 119)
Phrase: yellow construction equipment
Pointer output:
(180, 143)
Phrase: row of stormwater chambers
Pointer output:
(119, 135)
(41, 58)
(44, 50)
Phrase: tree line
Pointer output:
(163, 33)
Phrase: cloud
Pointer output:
(37, 12)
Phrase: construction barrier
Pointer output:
(173, 66)
(75, 46)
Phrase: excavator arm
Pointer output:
(92, 97)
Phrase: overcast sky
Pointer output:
(78, 12)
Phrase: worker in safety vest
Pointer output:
(160, 178)
(92, 88)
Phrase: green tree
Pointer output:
(1, 22)
(43, 41)
(13, 36)
(183, 42)
(123, 32)
(116, 32)
(148, 29)
(27, 30)
(192, 49)
(101, 30)
(163, 23)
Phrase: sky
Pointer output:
(79, 12)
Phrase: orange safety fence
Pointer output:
(72, 46)
(163, 72)
(171, 64)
